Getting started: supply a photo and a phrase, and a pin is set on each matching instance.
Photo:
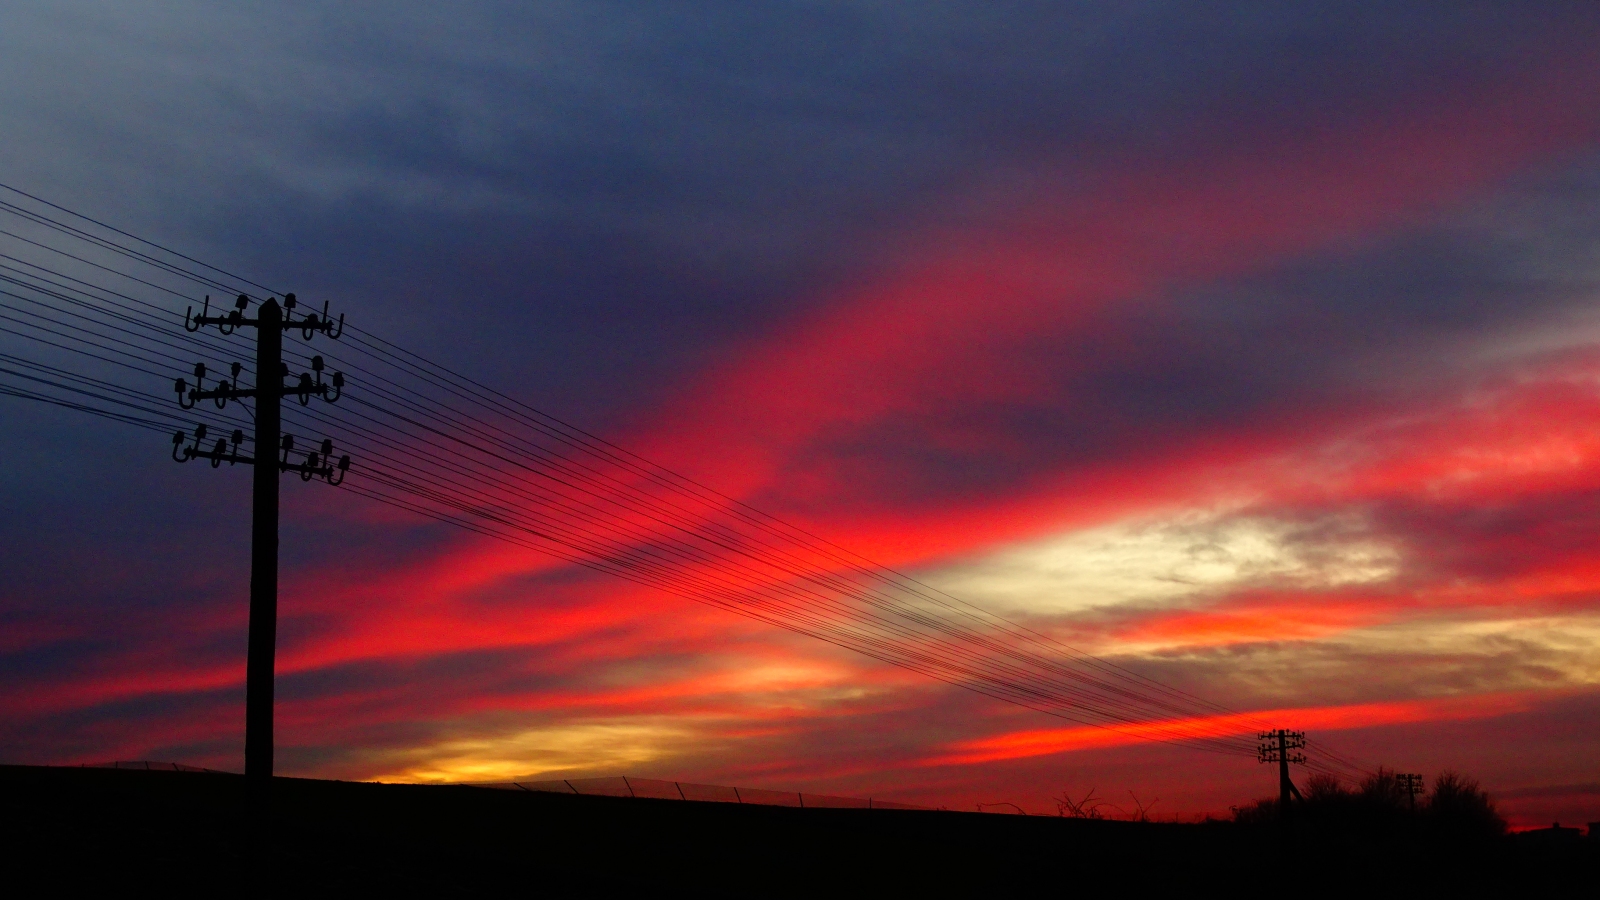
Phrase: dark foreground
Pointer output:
(73, 830)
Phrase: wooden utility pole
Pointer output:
(1279, 746)
(270, 323)
(1411, 783)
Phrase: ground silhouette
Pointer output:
(1454, 812)
(183, 833)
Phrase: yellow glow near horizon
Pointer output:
(539, 753)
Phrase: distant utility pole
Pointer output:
(271, 387)
(1278, 746)
(1411, 783)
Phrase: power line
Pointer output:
(1008, 686)
(592, 549)
(469, 455)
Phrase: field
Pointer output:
(78, 829)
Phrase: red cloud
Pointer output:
(1279, 617)
(1041, 742)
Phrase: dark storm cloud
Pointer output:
(618, 188)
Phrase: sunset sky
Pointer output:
(1255, 350)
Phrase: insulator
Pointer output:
(199, 433)
(338, 379)
(316, 364)
(180, 385)
(243, 301)
(344, 463)
(238, 437)
(327, 446)
(199, 371)
(237, 368)
(288, 301)
(177, 438)
(288, 442)
(283, 370)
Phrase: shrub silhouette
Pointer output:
(1325, 789)
(1256, 812)
(1384, 791)
(1459, 809)
(1379, 811)
(1378, 799)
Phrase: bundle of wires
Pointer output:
(92, 320)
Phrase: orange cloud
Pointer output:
(1280, 618)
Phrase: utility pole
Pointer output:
(1278, 746)
(1411, 783)
(271, 376)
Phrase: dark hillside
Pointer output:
(72, 829)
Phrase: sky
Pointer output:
(1254, 347)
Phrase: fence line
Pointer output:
(619, 786)
(145, 765)
(657, 789)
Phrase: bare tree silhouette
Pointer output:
(1141, 810)
(1086, 808)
